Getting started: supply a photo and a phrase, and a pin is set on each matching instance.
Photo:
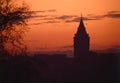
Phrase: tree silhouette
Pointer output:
(13, 21)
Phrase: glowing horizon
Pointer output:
(56, 22)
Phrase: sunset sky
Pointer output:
(53, 26)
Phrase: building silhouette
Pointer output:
(81, 41)
(86, 66)
(95, 67)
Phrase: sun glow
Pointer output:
(54, 26)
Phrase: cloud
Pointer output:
(43, 11)
(73, 18)
(52, 21)
(63, 17)
(48, 18)
(48, 22)
(52, 10)
(112, 14)
(38, 16)
(114, 49)
(35, 23)
(109, 14)
(89, 17)
(114, 11)
(77, 19)
(39, 11)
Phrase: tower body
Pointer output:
(81, 41)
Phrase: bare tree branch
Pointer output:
(13, 22)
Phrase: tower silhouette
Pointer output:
(81, 41)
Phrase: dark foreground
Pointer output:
(56, 68)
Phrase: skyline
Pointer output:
(59, 41)
(53, 21)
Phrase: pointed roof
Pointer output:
(81, 28)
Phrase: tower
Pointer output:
(81, 41)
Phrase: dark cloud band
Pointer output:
(75, 18)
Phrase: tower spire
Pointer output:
(81, 28)
(81, 41)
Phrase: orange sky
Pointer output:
(54, 25)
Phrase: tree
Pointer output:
(13, 22)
